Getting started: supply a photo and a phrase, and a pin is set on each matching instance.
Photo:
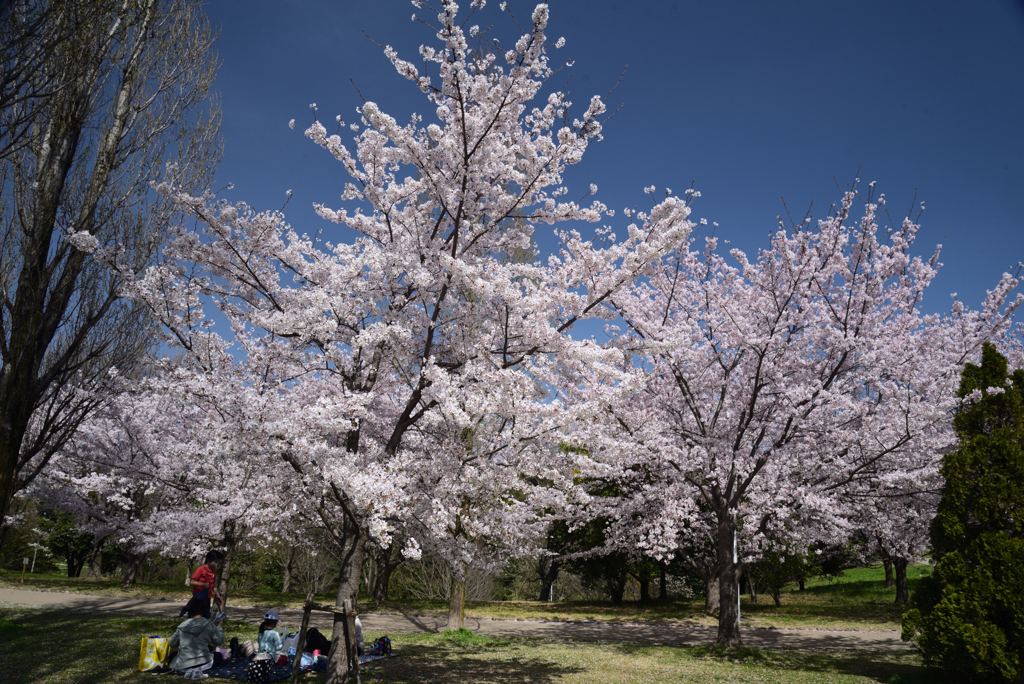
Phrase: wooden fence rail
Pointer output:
(352, 656)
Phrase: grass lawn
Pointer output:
(856, 600)
(62, 646)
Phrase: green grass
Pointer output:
(63, 646)
(857, 600)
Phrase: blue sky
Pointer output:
(748, 100)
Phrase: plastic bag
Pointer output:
(290, 642)
(153, 653)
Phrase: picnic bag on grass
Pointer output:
(381, 647)
(259, 669)
(153, 653)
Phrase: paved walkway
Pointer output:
(672, 635)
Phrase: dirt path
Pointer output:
(671, 635)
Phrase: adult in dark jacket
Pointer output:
(193, 639)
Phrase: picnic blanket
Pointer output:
(368, 658)
(235, 668)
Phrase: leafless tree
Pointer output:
(30, 33)
(132, 108)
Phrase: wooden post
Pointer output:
(351, 650)
(297, 662)
(24, 565)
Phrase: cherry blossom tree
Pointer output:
(898, 517)
(150, 472)
(494, 484)
(765, 391)
(362, 337)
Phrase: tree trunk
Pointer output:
(711, 596)
(729, 572)
(383, 580)
(777, 596)
(349, 579)
(753, 589)
(369, 571)
(801, 584)
(385, 562)
(228, 541)
(617, 587)
(131, 570)
(75, 564)
(645, 590)
(902, 593)
(96, 563)
(14, 417)
(547, 579)
(889, 581)
(289, 560)
(457, 603)
(662, 582)
(188, 572)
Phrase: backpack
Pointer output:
(315, 641)
(381, 647)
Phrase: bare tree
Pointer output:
(30, 33)
(128, 112)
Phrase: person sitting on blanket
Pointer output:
(360, 644)
(269, 641)
(193, 639)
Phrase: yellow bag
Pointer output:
(153, 653)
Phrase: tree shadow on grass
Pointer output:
(77, 646)
(421, 664)
(890, 667)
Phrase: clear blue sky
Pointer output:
(749, 100)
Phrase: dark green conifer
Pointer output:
(968, 617)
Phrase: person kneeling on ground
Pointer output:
(193, 639)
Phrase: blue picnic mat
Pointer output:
(368, 658)
(235, 669)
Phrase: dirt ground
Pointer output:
(669, 635)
